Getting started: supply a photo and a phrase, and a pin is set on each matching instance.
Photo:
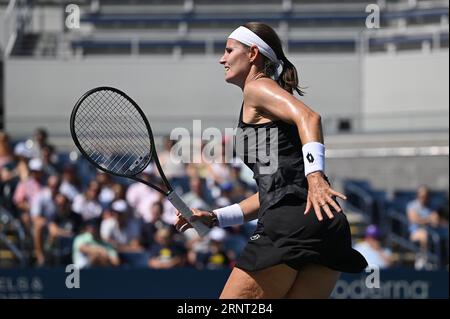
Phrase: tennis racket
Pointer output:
(114, 135)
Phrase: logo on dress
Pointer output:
(310, 158)
(254, 237)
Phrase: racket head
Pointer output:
(112, 132)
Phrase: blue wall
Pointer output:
(191, 283)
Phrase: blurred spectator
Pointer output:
(69, 184)
(237, 238)
(22, 156)
(8, 183)
(195, 198)
(119, 191)
(140, 196)
(171, 168)
(149, 229)
(38, 143)
(372, 249)
(169, 215)
(106, 195)
(63, 226)
(26, 191)
(226, 195)
(421, 216)
(121, 230)
(43, 208)
(215, 257)
(87, 204)
(90, 251)
(6, 154)
(49, 161)
(165, 253)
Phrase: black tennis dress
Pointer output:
(284, 235)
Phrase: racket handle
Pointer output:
(179, 204)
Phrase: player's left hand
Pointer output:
(321, 196)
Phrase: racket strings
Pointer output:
(112, 132)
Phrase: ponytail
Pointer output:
(289, 78)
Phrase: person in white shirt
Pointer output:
(372, 249)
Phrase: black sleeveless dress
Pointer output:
(284, 235)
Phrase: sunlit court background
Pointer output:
(382, 92)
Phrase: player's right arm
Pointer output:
(249, 207)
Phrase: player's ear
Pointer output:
(253, 53)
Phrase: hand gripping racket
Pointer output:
(112, 132)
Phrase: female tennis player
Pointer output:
(293, 253)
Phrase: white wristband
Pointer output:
(313, 157)
(230, 215)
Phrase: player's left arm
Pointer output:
(270, 100)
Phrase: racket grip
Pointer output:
(180, 205)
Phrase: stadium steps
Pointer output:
(358, 223)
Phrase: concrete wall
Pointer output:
(172, 92)
(406, 91)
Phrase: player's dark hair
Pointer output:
(288, 79)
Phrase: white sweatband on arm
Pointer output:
(230, 215)
(313, 157)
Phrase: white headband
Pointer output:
(248, 37)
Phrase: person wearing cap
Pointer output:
(302, 239)
(372, 250)
(216, 257)
(120, 229)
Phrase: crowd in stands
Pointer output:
(72, 213)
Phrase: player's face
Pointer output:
(236, 62)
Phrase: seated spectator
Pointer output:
(49, 161)
(195, 197)
(140, 196)
(372, 249)
(38, 142)
(421, 216)
(216, 257)
(121, 230)
(172, 169)
(149, 229)
(8, 183)
(69, 184)
(27, 189)
(89, 250)
(165, 253)
(63, 226)
(87, 204)
(106, 195)
(43, 208)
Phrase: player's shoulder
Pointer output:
(260, 88)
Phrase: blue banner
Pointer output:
(200, 284)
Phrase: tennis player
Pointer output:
(293, 253)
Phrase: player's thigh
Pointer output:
(270, 283)
(313, 282)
